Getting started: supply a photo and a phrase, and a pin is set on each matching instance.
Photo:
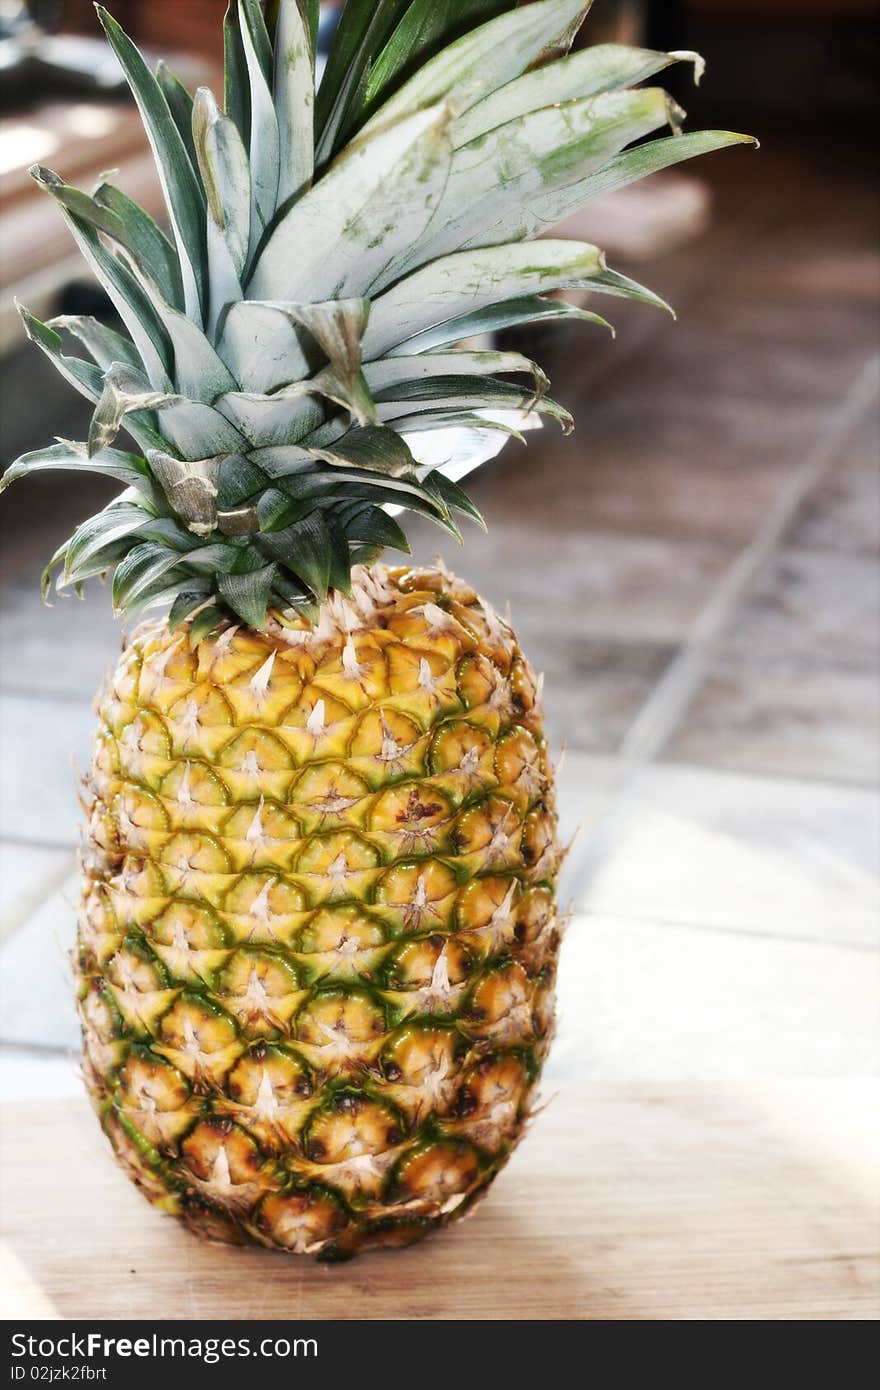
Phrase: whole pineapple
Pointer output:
(318, 938)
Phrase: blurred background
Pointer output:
(695, 569)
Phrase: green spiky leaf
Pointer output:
(294, 94)
(248, 594)
(184, 195)
(294, 368)
(485, 59)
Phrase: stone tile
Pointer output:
(38, 738)
(59, 650)
(31, 1076)
(790, 718)
(812, 606)
(36, 986)
(843, 513)
(720, 850)
(28, 873)
(625, 588)
(586, 788)
(787, 348)
(642, 1002)
(593, 689)
(662, 478)
(29, 376)
(39, 513)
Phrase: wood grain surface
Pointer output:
(722, 1201)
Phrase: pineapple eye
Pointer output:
(524, 686)
(438, 1176)
(339, 866)
(175, 662)
(303, 1222)
(423, 1064)
(254, 751)
(105, 755)
(190, 941)
(329, 794)
(202, 707)
(544, 1006)
(147, 1082)
(192, 783)
(431, 963)
(497, 1081)
(200, 1040)
(351, 1126)
(489, 834)
(459, 745)
(194, 854)
(540, 851)
(486, 908)
(263, 907)
(230, 656)
(476, 681)
(147, 734)
(139, 987)
(188, 926)
(262, 834)
(267, 1079)
(354, 673)
(341, 930)
(491, 1102)
(389, 737)
(133, 968)
(318, 726)
(534, 914)
(125, 679)
(500, 1005)
(225, 1161)
(136, 889)
(99, 928)
(425, 584)
(267, 1094)
(429, 626)
(99, 1013)
(418, 896)
(155, 1099)
(167, 677)
(136, 809)
(411, 818)
(265, 690)
(261, 990)
(340, 1030)
(422, 682)
(517, 766)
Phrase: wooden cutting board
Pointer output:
(719, 1201)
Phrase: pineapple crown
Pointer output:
(290, 372)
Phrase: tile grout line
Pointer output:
(659, 714)
(668, 701)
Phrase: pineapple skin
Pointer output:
(318, 937)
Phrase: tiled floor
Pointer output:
(695, 572)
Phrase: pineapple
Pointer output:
(317, 936)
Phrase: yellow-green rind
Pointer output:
(318, 938)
